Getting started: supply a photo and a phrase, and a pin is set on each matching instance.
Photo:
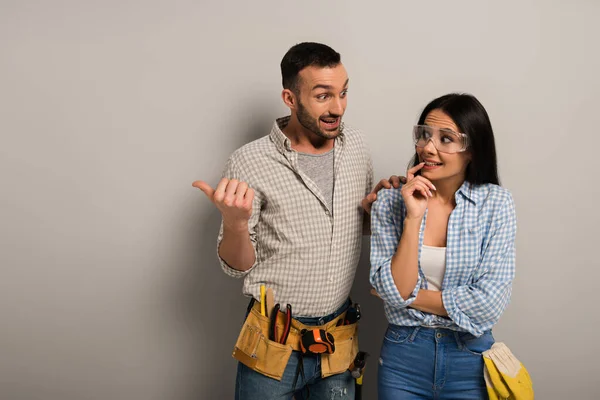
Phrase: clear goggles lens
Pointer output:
(444, 140)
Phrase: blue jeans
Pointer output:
(251, 385)
(427, 363)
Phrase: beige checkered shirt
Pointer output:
(306, 252)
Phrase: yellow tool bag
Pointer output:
(254, 349)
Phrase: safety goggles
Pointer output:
(444, 140)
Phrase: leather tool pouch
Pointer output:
(254, 349)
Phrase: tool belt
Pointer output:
(254, 349)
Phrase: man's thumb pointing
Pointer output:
(205, 187)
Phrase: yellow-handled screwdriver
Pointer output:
(262, 300)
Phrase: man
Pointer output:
(293, 221)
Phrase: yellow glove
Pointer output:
(489, 385)
(507, 374)
(495, 377)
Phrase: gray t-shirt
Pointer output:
(319, 168)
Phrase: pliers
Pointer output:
(273, 330)
(286, 327)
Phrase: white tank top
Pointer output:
(433, 265)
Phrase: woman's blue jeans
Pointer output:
(428, 363)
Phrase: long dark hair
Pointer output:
(472, 119)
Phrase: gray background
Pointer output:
(110, 286)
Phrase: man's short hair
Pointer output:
(305, 55)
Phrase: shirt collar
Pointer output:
(284, 144)
(469, 192)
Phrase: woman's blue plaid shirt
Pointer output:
(480, 259)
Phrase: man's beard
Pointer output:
(312, 124)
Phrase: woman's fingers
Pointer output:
(426, 181)
(417, 185)
(410, 174)
(424, 190)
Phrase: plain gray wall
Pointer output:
(110, 286)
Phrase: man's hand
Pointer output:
(394, 181)
(233, 199)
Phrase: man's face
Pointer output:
(321, 95)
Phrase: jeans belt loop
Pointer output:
(414, 334)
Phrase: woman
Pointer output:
(443, 257)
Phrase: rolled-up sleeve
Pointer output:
(387, 217)
(478, 306)
(232, 171)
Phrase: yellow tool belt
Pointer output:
(254, 349)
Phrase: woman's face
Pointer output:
(439, 165)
